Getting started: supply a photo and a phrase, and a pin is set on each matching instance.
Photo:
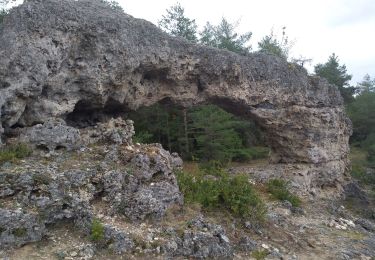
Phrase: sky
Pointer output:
(318, 28)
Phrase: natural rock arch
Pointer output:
(57, 54)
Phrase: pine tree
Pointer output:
(336, 74)
(177, 24)
(273, 46)
(366, 85)
(224, 36)
(214, 134)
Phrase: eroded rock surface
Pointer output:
(51, 135)
(82, 60)
(138, 183)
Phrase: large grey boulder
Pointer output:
(201, 240)
(18, 228)
(51, 135)
(83, 60)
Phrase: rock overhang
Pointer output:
(58, 54)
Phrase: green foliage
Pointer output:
(371, 155)
(160, 124)
(279, 190)
(359, 158)
(233, 193)
(14, 152)
(336, 74)
(366, 85)
(113, 4)
(224, 36)
(97, 230)
(142, 137)
(361, 112)
(260, 254)
(3, 13)
(212, 133)
(251, 153)
(270, 44)
(177, 24)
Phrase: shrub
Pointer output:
(371, 156)
(279, 190)
(360, 161)
(252, 153)
(14, 152)
(142, 137)
(233, 193)
(97, 230)
(213, 167)
(260, 254)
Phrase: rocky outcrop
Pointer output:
(18, 228)
(53, 134)
(82, 61)
(201, 240)
(135, 181)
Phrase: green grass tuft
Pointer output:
(260, 254)
(97, 230)
(14, 152)
(279, 190)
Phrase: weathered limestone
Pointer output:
(79, 58)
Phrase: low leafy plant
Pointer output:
(362, 159)
(97, 230)
(260, 254)
(222, 191)
(14, 152)
(279, 190)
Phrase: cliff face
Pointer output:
(66, 59)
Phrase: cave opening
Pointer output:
(87, 113)
(218, 130)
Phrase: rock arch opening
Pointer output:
(205, 132)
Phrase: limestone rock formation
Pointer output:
(82, 61)
(51, 135)
(139, 184)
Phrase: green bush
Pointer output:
(362, 159)
(260, 254)
(14, 152)
(371, 156)
(213, 167)
(359, 173)
(279, 190)
(233, 193)
(142, 137)
(97, 230)
(252, 153)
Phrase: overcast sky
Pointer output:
(319, 27)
